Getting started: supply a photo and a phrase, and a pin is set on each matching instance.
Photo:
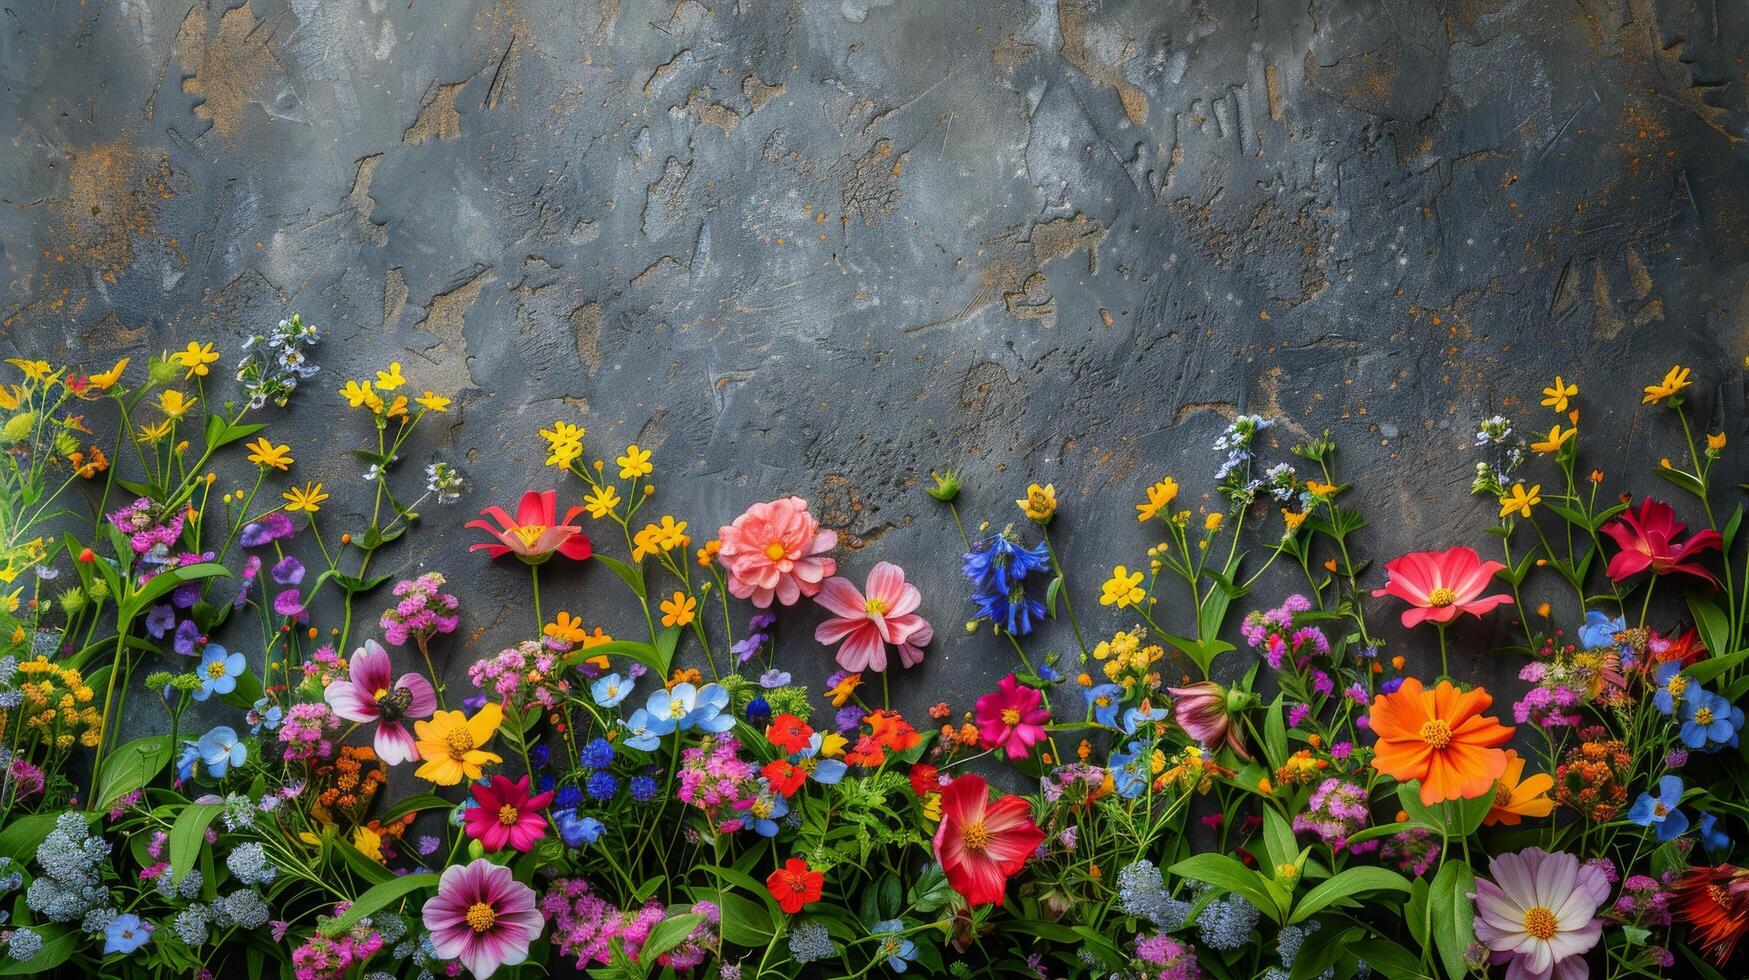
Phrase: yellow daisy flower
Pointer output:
(174, 403)
(433, 401)
(1557, 395)
(195, 357)
(1520, 501)
(357, 394)
(307, 498)
(450, 744)
(265, 454)
(107, 379)
(1674, 381)
(601, 501)
(635, 463)
(1557, 438)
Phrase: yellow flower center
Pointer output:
(1436, 733)
(1502, 794)
(380, 693)
(508, 815)
(481, 917)
(461, 742)
(1677, 685)
(775, 550)
(875, 606)
(1010, 716)
(977, 836)
(216, 670)
(1540, 923)
(528, 534)
(1441, 597)
(1703, 716)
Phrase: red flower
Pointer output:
(868, 752)
(795, 885)
(786, 777)
(789, 733)
(536, 533)
(1011, 717)
(506, 815)
(981, 844)
(1685, 648)
(1714, 902)
(892, 731)
(925, 779)
(1438, 585)
(1647, 536)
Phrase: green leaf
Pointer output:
(1683, 479)
(1225, 874)
(744, 922)
(1702, 968)
(643, 653)
(1278, 838)
(379, 896)
(666, 641)
(1051, 591)
(668, 934)
(1712, 623)
(188, 836)
(1705, 671)
(1350, 881)
(130, 767)
(1415, 912)
(1388, 959)
(631, 575)
(58, 944)
(1454, 915)
(162, 583)
(21, 835)
(221, 433)
(1321, 950)
(416, 804)
(1275, 734)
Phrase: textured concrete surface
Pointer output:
(824, 247)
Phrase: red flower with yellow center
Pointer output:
(982, 843)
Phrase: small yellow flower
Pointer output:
(566, 627)
(635, 463)
(433, 401)
(677, 611)
(153, 431)
(307, 498)
(1214, 521)
(11, 396)
(195, 357)
(1292, 519)
(671, 534)
(392, 378)
(1519, 500)
(397, 409)
(1322, 490)
(1039, 503)
(601, 501)
(1123, 589)
(1160, 497)
(1556, 395)
(832, 745)
(174, 403)
(107, 379)
(564, 444)
(39, 371)
(369, 843)
(265, 454)
(1557, 438)
(1715, 441)
(840, 693)
(358, 394)
(1674, 381)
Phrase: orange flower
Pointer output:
(1516, 797)
(1441, 738)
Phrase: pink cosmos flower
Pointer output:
(369, 696)
(536, 533)
(482, 916)
(506, 815)
(1011, 717)
(774, 549)
(1540, 913)
(867, 624)
(1439, 585)
(1647, 537)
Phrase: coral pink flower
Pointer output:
(536, 533)
(369, 696)
(981, 844)
(1438, 585)
(774, 550)
(1202, 710)
(1647, 536)
(506, 815)
(1011, 717)
(867, 624)
(482, 916)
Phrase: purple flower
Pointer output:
(1298, 713)
(428, 845)
(761, 621)
(267, 530)
(251, 568)
(187, 636)
(290, 603)
(774, 678)
(288, 571)
(748, 646)
(848, 717)
(161, 620)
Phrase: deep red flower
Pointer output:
(892, 731)
(1647, 535)
(795, 885)
(1440, 585)
(506, 814)
(786, 777)
(789, 733)
(1685, 648)
(980, 843)
(1714, 902)
(925, 779)
(868, 752)
(536, 533)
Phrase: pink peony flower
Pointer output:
(1441, 585)
(774, 549)
(1011, 717)
(482, 916)
(506, 815)
(1540, 913)
(369, 696)
(867, 624)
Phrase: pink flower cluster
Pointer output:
(585, 925)
(716, 780)
(700, 944)
(1553, 702)
(523, 674)
(421, 611)
(1174, 959)
(1337, 810)
(1415, 851)
(135, 521)
(306, 729)
(1273, 633)
(321, 958)
(1644, 901)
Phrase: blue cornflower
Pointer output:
(609, 691)
(126, 933)
(1661, 810)
(601, 786)
(643, 788)
(1104, 700)
(218, 671)
(758, 711)
(598, 754)
(1599, 630)
(1711, 836)
(899, 951)
(185, 763)
(1671, 686)
(1709, 721)
(220, 749)
(577, 831)
(1016, 611)
(1129, 770)
(567, 797)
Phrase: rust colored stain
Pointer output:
(1072, 22)
(227, 70)
(111, 193)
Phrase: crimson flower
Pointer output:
(506, 815)
(980, 843)
(1714, 903)
(1647, 535)
(1011, 717)
(795, 885)
(1439, 585)
(536, 533)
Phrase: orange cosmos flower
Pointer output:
(1516, 797)
(1441, 738)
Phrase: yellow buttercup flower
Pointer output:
(153, 431)
(195, 357)
(601, 500)
(1039, 503)
(564, 444)
(635, 463)
(265, 454)
(565, 627)
(1293, 520)
(433, 401)
(1123, 589)
(107, 379)
(1674, 381)
(392, 378)
(357, 393)
(1160, 497)
(1556, 395)
(1715, 441)
(1519, 500)
(450, 744)
(1214, 521)
(397, 409)
(174, 403)
(41, 372)
(1318, 489)
(307, 498)
(1557, 438)
(678, 610)
(671, 534)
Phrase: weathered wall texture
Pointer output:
(824, 247)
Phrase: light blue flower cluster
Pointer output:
(71, 881)
(681, 708)
(1709, 721)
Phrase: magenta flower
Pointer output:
(1011, 717)
(773, 551)
(1540, 913)
(506, 815)
(867, 624)
(482, 916)
(1647, 536)
(369, 696)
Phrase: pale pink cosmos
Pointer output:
(1539, 914)
(776, 550)
(867, 624)
(369, 696)
(482, 916)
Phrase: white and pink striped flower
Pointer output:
(482, 916)
(868, 623)
(369, 696)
